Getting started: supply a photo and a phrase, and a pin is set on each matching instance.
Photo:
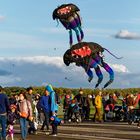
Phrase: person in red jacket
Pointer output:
(137, 101)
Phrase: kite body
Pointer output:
(68, 15)
(89, 55)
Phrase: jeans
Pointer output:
(3, 122)
(46, 121)
(23, 127)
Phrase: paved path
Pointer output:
(89, 131)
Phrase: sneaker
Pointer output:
(69, 120)
(54, 135)
(46, 133)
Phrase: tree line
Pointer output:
(62, 91)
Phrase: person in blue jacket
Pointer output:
(45, 102)
(54, 105)
(54, 121)
(4, 105)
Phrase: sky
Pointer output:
(32, 44)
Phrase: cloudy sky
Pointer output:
(32, 45)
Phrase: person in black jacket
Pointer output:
(4, 105)
(79, 98)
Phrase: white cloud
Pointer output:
(39, 70)
(120, 68)
(125, 34)
(56, 61)
(35, 60)
(2, 18)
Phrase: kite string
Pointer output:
(113, 54)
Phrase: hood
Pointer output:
(49, 88)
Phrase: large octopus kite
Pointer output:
(68, 15)
(89, 55)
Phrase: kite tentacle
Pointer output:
(90, 74)
(70, 38)
(73, 25)
(78, 22)
(92, 64)
(99, 75)
(77, 18)
(111, 73)
(81, 32)
(77, 34)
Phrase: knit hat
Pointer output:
(52, 118)
(49, 88)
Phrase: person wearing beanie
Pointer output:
(54, 105)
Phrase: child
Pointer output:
(54, 121)
(11, 121)
(33, 126)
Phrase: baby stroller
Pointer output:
(74, 112)
(134, 116)
(109, 114)
(120, 113)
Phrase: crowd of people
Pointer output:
(31, 110)
(28, 109)
(108, 107)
